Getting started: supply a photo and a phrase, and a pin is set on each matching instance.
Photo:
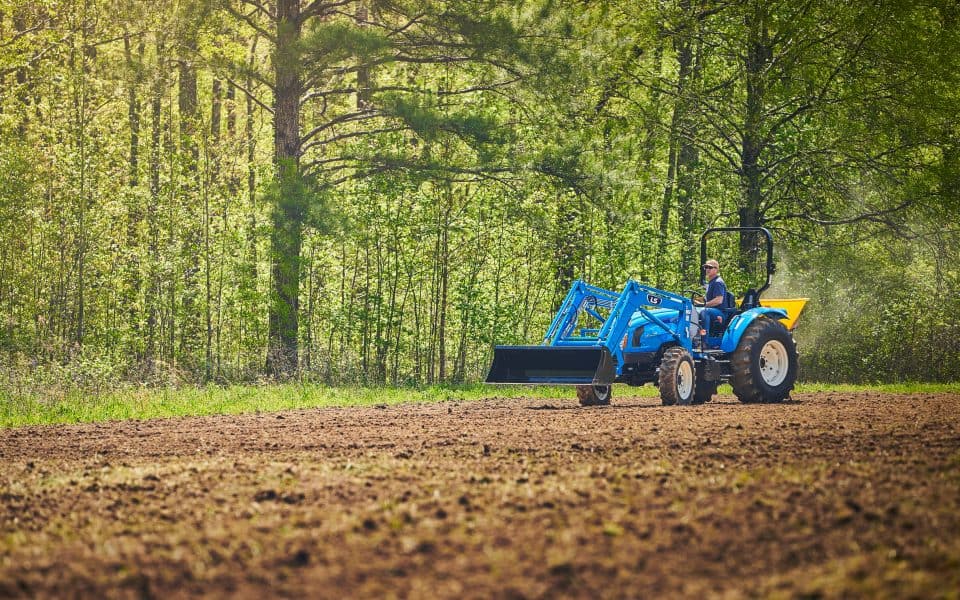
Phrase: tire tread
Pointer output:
(669, 365)
(747, 385)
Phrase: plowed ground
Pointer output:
(828, 495)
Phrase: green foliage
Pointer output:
(872, 323)
(329, 42)
(430, 122)
(490, 33)
(293, 192)
(565, 163)
(460, 162)
(17, 176)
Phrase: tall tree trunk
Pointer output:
(681, 184)
(19, 27)
(189, 108)
(231, 102)
(650, 127)
(663, 233)
(363, 72)
(287, 213)
(78, 62)
(152, 297)
(435, 284)
(134, 205)
(365, 313)
(3, 73)
(688, 157)
(758, 55)
(444, 287)
(311, 292)
(250, 325)
(134, 68)
(210, 180)
(569, 245)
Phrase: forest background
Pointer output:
(379, 191)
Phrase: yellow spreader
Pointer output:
(793, 306)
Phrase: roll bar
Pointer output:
(771, 267)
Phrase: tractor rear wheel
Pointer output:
(677, 377)
(594, 395)
(765, 363)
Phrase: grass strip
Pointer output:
(150, 403)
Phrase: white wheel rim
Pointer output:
(774, 363)
(684, 379)
(601, 391)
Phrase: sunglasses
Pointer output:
(708, 267)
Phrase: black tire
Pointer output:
(704, 391)
(594, 395)
(765, 363)
(677, 377)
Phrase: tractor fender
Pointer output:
(739, 324)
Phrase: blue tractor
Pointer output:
(647, 335)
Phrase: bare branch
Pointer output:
(328, 161)
(250, 95)
(260, 7)
(360, 115)
(476, 174)
(875, 216)
(319, 7)
(346, 136)
(248, 19)
(734, 144)
(324, 93)
(36, 57)
(492, 87)
(712, 147)
(19, 34)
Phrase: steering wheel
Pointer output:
(696, 297)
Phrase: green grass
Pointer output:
(888, 388)
(148, 403)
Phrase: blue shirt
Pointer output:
(716, 287)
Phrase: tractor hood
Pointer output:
(664, 314)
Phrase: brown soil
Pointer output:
(830, 495)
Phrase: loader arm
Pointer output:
(635, 298)
(589, 358)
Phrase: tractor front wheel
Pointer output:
(594, 395)
(677, 377)
(765, 364)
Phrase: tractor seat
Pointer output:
(729, 310)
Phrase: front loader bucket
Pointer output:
(552, 364)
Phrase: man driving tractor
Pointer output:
(712, 315)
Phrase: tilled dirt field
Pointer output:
(829, 495)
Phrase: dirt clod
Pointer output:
(300, 559)
(265, 496)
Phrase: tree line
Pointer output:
(379, 191)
